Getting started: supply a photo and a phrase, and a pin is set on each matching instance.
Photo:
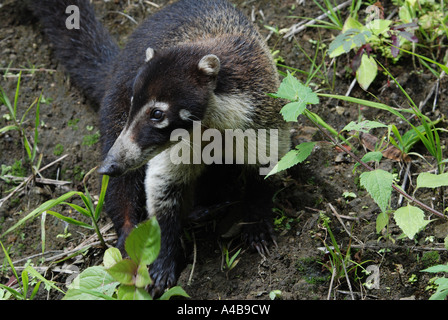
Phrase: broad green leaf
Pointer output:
(379, 26)
(367, 71)
(379, 185)
(133, 293)
(142, 278)
(372, 156)
(124, 271)
(442, 289)
(300, 95)
(292, 111)
(437, 268)
(382, 221)
(351, 23)
(363, 126)
(411, 220)
(143, 243)
(293, 157)
(174, 291)
(111, 257)
(429, 180)
(95, 279)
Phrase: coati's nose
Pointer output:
(111, 168)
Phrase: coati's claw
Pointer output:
(258, 235)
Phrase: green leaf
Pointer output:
(429, 180)
(69, 220)
(143, 243)
(367, 71)
(382, 220)
(142, 278)
(411, 220)
(133, 293)
(174, 291)
(293, 157)
(292, 111)
(291, 89)
(442, 289)
(92, 280)
(437, 268)
(379, 185)
(351, 23)
(99, 207)
(43, 207)
(372, 156)
(124, 271)
(111, 257)
(379, 26)
(363, 126)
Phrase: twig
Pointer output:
(194, 260)
(28, 70)
(302, 25)
(336, 214)
(27, 180)
(331, 283)
(434, 89)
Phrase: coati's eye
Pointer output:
(157, 115)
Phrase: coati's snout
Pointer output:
(161, 104)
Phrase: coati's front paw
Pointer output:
(258, 235)
(164, 274)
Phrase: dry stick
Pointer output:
(365, 165)
(27, 180)
(302, 25)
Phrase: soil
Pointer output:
(298, 266)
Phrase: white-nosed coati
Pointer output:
(195, 61)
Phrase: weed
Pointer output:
(90, 211)
(23, 281)
(123, 279)
(19, 122)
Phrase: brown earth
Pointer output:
(298, 266)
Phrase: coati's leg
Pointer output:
(169, 195)
(258, 228)
(124, 203)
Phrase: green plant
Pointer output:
(378, 183)
(90, 211)
(441, 282)
(340, 262)
(24, 281)
(18, 122)
(231, 262)
(123, 279)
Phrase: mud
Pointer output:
(298, 267)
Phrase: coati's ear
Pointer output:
(149, 54)
(210, 65)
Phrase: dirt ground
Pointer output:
(297, 267)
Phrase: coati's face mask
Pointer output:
(170, 91)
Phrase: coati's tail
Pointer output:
(85, 52)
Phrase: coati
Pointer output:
(195, 61)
